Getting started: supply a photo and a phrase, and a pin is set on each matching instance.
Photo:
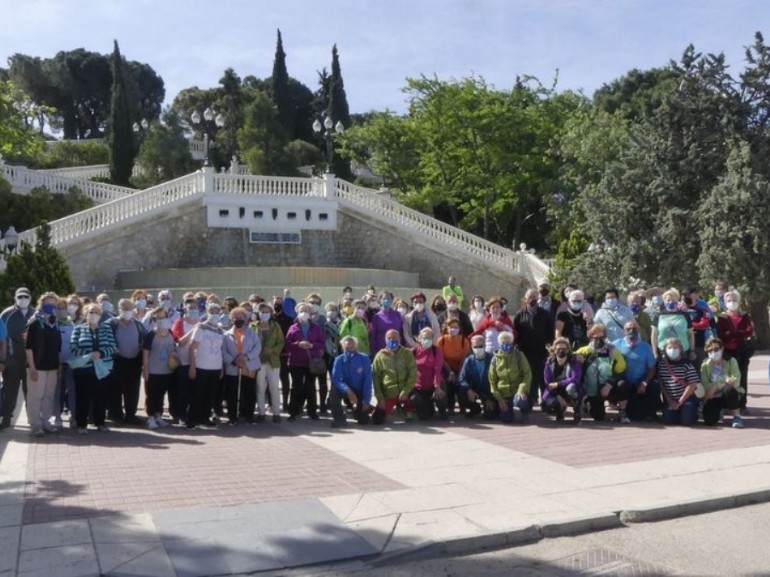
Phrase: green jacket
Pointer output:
(393, 373)
(272, 347)
(731, 370)
(356, 327)
(509, 374)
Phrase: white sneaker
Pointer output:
(160, 422)
(152, 423)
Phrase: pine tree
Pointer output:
(280, 89)
(338, 110)
(121, 141)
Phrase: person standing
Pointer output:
(43, 344)
(304, 341)
(452, 288)
(15, 319)
(534, 329)
(268, 377)
(125, 380)
(240, 353)
(206, 366)
(736, 330)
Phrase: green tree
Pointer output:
(262, 139)
(66, 153)
(40, 268)
(18, 141)
(279, 83)
(339, 111)
(164, 153)
(121, 139)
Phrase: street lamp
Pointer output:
(338, 128)
(209, 121)
(143, 126)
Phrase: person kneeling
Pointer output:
(394, 373)
(602, 367)
(510, 379)
(563, 378)
(429, 389)
(474, 383)
(722, 385)
(351, 380)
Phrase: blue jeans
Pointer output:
(524, 406)
(687, 414)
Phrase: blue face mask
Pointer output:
(636, 308)
(193, 314)
(611, 302)
(392, 344)
(387, 303)
(506, 347)
(349, 355)
(49, 309)
(671, 306)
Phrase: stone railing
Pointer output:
(118, 213)
(266, 185)
(446, 237)
(24, 179)
(84, 172)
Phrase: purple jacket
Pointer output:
(299, 357)
(572, 374)
(382, 322)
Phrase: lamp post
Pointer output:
(207, 123)
(328, 124)
(141, 126)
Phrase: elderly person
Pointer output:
(42, 346)
(14, 362)
(673, 322)
(636, 304)
(477, 313)
(381, 321)
(181, 386)
(586, 308)
(351, 380)
(268, 377)
(452, 289)
(65, 385)
(736, 329)
(355, 325)
(573, 322)
(721, 380)
(510, 380)
(420, 317)
(545, 301)
(603, 367)
(474, 394)
(125, 381)
(679, 381)
(91, 342)
(206, 365)
(139, 298)
(394, 373)
(158, 364)
(455, 348)
(644, 392)
(429, 388)
(563, 378)
(534, 330)
(304, 341)
(453, 311)
(717, 302)
(494, 324)
(613, 315)
(108, 309)
(240, 352)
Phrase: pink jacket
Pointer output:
(430, 362)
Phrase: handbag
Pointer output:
(748, 348)
(173, 362)
(316, 365)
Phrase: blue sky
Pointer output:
(381, 43)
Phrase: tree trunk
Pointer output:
(759, 314)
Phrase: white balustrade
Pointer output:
(264, 185)
(84, 172)
(25, 179)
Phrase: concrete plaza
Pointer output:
(256, 498)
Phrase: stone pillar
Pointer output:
(329, 185)
(208, 179)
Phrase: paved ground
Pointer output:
(177, 502)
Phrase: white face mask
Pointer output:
(360, 313)
(732, 305)
(126, 315)
(402, 311)
(479, 352)
(451, 307)
(419, 307)
(22, 302)
(303, 317)
(715, 355)
(72, 310)
(673, 353)
(93, 318)
(479, 305)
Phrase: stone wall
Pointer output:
(181, 239)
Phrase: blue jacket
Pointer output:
(471, 380)
(355, 374)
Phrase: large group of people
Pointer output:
(206, 361)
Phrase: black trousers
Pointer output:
(90, 397)
(489, 411)
(425, 404)
(338, 411)
(730, 400)
(204, 389)
(248, 397)
(14, 377)
(285, 382)
(123, 386)
(743, 365)
(302, 390)
(179, 393)
(155, 390)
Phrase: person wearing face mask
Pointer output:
(14, 362)
(545, 301)
(655, 306)
(241, 351)
(586, 308)
(159, 346)
(453, 311)
(673, 322)
(91, 342)
(534, 330)
(356, 326)
(429, 388)
(722, 390)
(603, 368)
(289, 304)
(418, 318)
(717, 302)
(373, 306)
(477, 313)
(493, 325)
(644, 391)
(347, 297)
(510, 380)
(125, 381)
(701, 318)
(351, 380)
(332, 335)
(455, 348)
(305, 340)
(563, 378)
(438, 306)
(205, 369)
(43, 344)
(455, 290)
(318, 316)
(736, 329)
(394, 372)
(284, 321)
(139, 298)
(679, 382)
(635, 303)
(384, 320)
(65, 386)
(474, 395)
(181, 385)
(108, 309)
(613, 315)
(268, 377)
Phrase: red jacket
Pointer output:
(733, 329)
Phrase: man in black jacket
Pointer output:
(15, 373)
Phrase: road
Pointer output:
(727, 543)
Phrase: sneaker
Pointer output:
(276, 418)
(152, 423)
(737, 422)
(216, 420)
(82, 431)
(623, 418)
(57, 422)
(160, 422)
(103, 429)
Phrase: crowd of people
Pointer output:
(205, 361)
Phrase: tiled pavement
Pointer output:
(174, 502)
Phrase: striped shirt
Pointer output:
(675, 376)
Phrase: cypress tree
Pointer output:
(339, 110)
(280, 86)
(121, 141)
